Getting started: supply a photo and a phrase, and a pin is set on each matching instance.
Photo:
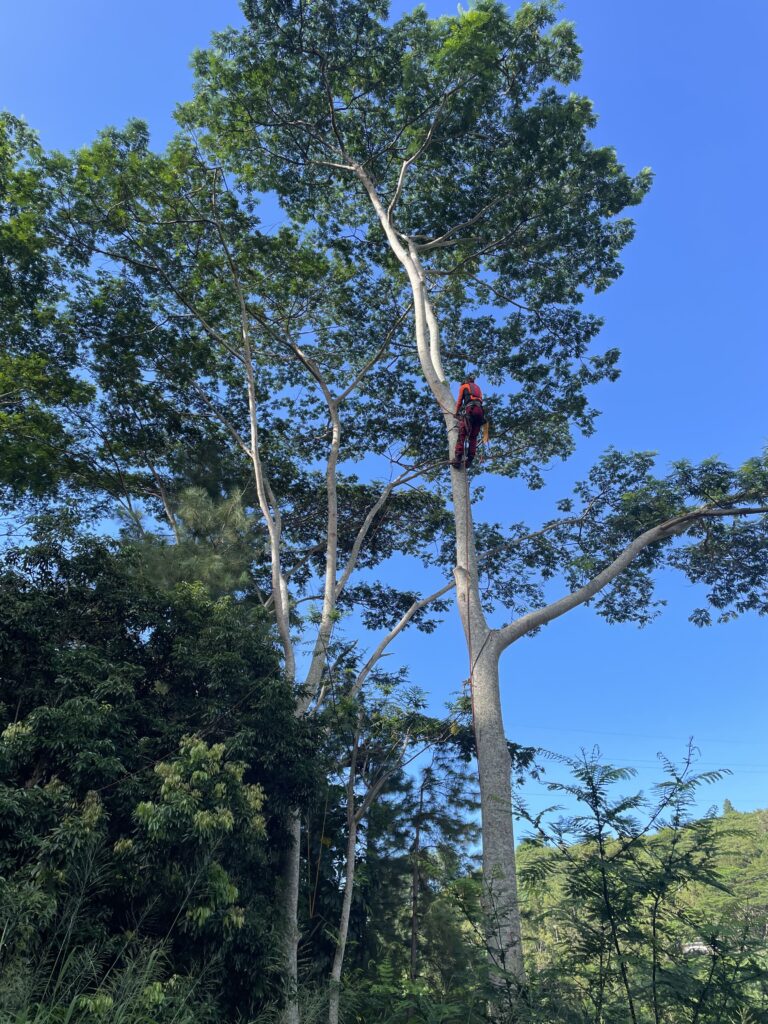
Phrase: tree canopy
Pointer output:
(260, 418)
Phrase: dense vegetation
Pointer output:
(149, 759)
(217, 801)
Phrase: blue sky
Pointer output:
(677, 86)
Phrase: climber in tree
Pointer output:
(469, 412)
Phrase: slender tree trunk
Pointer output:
(290, 920)
(494, 767)
(414, 914)
(416, 852)
(655, 951)
(346, 907)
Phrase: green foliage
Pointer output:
(486, 170)
(417, 855)
(622, 498)
(214, 542)
(164, 293)
(202, 804)
(634, 910)
(38, 386)
(382, 731)
(508, 205)
(639, 919)
(150, 753)
(83, 985)
(145, 736)
(162, 247)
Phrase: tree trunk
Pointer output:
(290, 921)
(416, 858)
(494, 767)
(504, 937)
(346, 907)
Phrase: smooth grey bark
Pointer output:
(504, 937)
(500, 901)
(502, 909)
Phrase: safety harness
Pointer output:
(475, 400)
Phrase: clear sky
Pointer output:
(678, 86)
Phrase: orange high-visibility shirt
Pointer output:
(467, 392)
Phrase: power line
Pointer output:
(590, 730)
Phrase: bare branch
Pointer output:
(440, 104)
(224, 420)
(663, 531)
(556, 523)
(331, 163)
(166, 503)
(410, 474)
(267, 504)
(309, 554)
(414, 156)
(334, 123)
(378, 783)
(180, 297)
(394, 632)
(128, 503)
(330, 589)
(376, 356)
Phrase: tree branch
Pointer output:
(376, 356)
(414, 156)
(663, 531)
(224, 420)
(267, 503)
(163, 494)
(394, 632)
(362, 533)
(443, 239)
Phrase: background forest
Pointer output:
(227, 791)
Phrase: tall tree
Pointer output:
(444, 152)
(439, 178)
(226, 358)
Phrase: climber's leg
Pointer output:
(476, 422)
(458, 455)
